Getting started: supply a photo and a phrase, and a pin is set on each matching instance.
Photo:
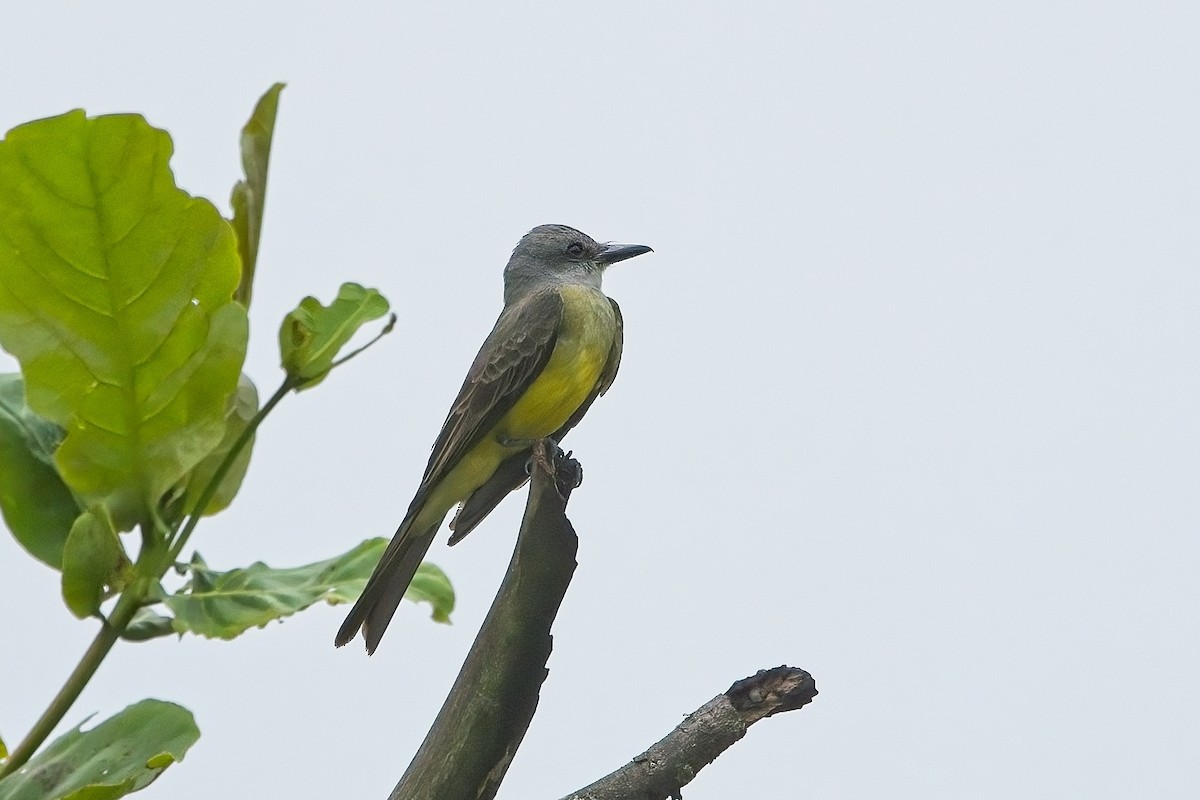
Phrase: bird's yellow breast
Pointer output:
(585, 338)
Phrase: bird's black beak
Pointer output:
(611, 253)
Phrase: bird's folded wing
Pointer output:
(511, 358)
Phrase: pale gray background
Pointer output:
(909, 396)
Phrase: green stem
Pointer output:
(110, 631)
(130, 601)
(132, 598)
(226, 464)
(391, 323)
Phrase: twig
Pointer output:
(660, 772)
(110, 630)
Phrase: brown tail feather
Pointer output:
(386, 588)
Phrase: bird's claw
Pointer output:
(554, 451)
(568, 473)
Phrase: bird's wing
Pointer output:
(511, 474)
(614, 356)
(510, 359)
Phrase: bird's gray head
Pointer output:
(556, 254)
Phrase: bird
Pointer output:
(554, 349)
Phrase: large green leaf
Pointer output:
(94, 564)
(250, 195)
(312, 335)
(116, 297)
(225, 604)
(120, 755)
(37, 506)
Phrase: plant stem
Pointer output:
(132, 598)
(110, 630)
(129, 602)
(226, 464)
(391, 323)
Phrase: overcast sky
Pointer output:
(909, 396)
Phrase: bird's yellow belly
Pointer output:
(580, 353)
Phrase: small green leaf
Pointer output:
(249, 195)
(121, 755)
(148, 624)
(37, 506)
(3, 750)
(94, 563)
(312, 335)
(116, 296)
(432, 585)
(244, 405)
(224, 605)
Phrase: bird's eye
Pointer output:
(575, 249)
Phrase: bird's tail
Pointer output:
(387, 585)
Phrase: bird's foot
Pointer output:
(552, 449)
(568, 473)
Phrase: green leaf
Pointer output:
(429, 585)
(432, 585)
(250, 195)
(121, 755)
(148, 624)
(94, 563)
(312, 335)
(224, 605)
(37, 506)
(241, 412)
(116, 297)
(3, 750)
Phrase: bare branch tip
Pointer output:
(772, 691)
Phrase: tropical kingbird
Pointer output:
(554, 349)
